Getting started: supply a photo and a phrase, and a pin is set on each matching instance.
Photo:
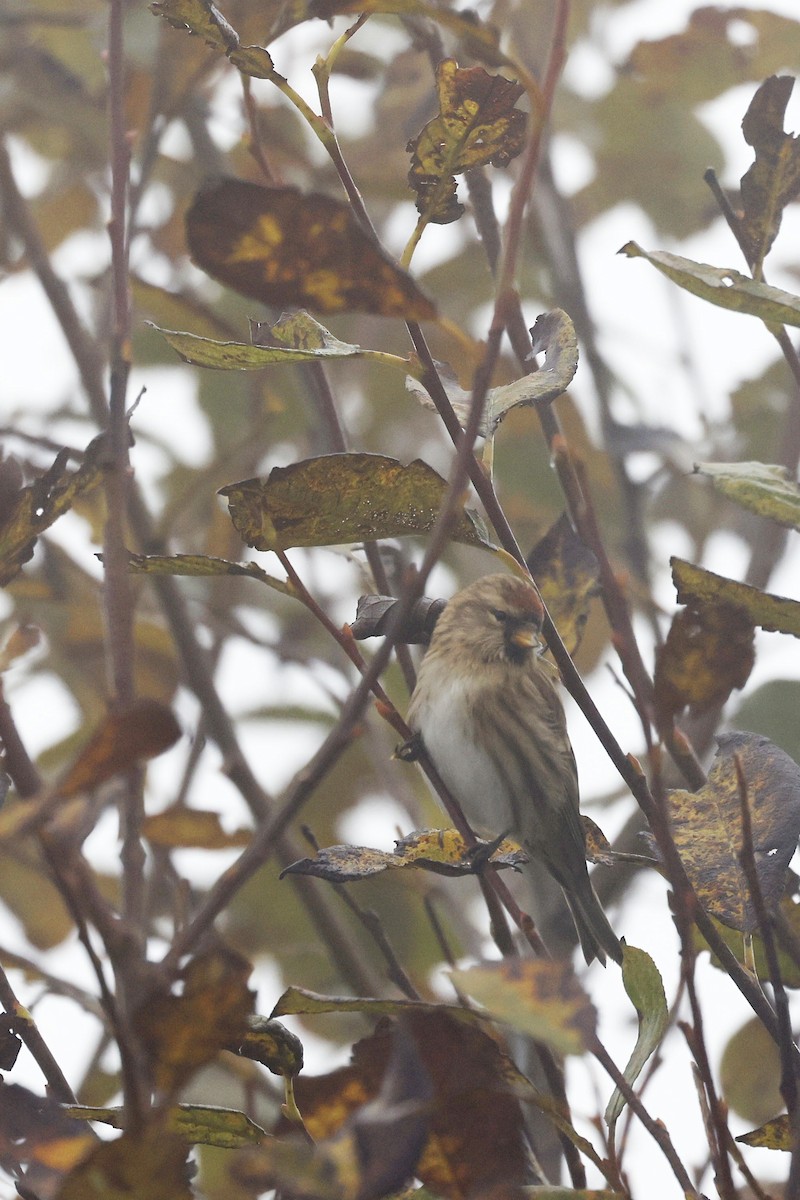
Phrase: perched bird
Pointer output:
(489, 716)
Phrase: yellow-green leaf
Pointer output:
(199, 1124)
(697, 586)
(201, 565)
(761, 488)
(723, 286)
(775, 1135)
(343, 498)
(642, 981)
(537, 997)
(179, 827)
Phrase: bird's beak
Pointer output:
(524, 637)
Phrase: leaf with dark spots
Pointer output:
(707, 827)
(477, 125)
(286, 248)
(343, 498)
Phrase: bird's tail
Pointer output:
(596, 936)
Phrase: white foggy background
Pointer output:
(651, 318)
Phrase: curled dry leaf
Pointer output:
(477, 125)
(269, 1042)
(707, 827)
(442, 851)
(374, 619)
(553, 335)
(25, 512)
(773, 180)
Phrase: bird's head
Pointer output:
(499, 617)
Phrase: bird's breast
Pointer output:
(448, 729)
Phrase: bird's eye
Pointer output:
(499, 614)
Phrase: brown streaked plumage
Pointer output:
(491, 719)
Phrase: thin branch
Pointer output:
(656, 1129)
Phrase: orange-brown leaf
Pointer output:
(123, 739)
(182, 1033)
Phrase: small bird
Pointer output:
(488, 713)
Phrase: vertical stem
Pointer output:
(118, 596)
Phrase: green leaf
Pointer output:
(540, 998)
(295, 338)
(645, 989)
(297, 1001)
(763, 489)
(479, 39)
(343, 498)
(723, 286)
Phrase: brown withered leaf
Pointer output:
(566, 573)
(477, 124)
(773, 180)
(540, 998)
(696, 586)
(707, 827)
(708, 652)
(341, 498)
(285, 248)
(151, 1163)
(25, 512)
(143, 731)
(476, 1132)
(182, 1033)
(442, 851)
